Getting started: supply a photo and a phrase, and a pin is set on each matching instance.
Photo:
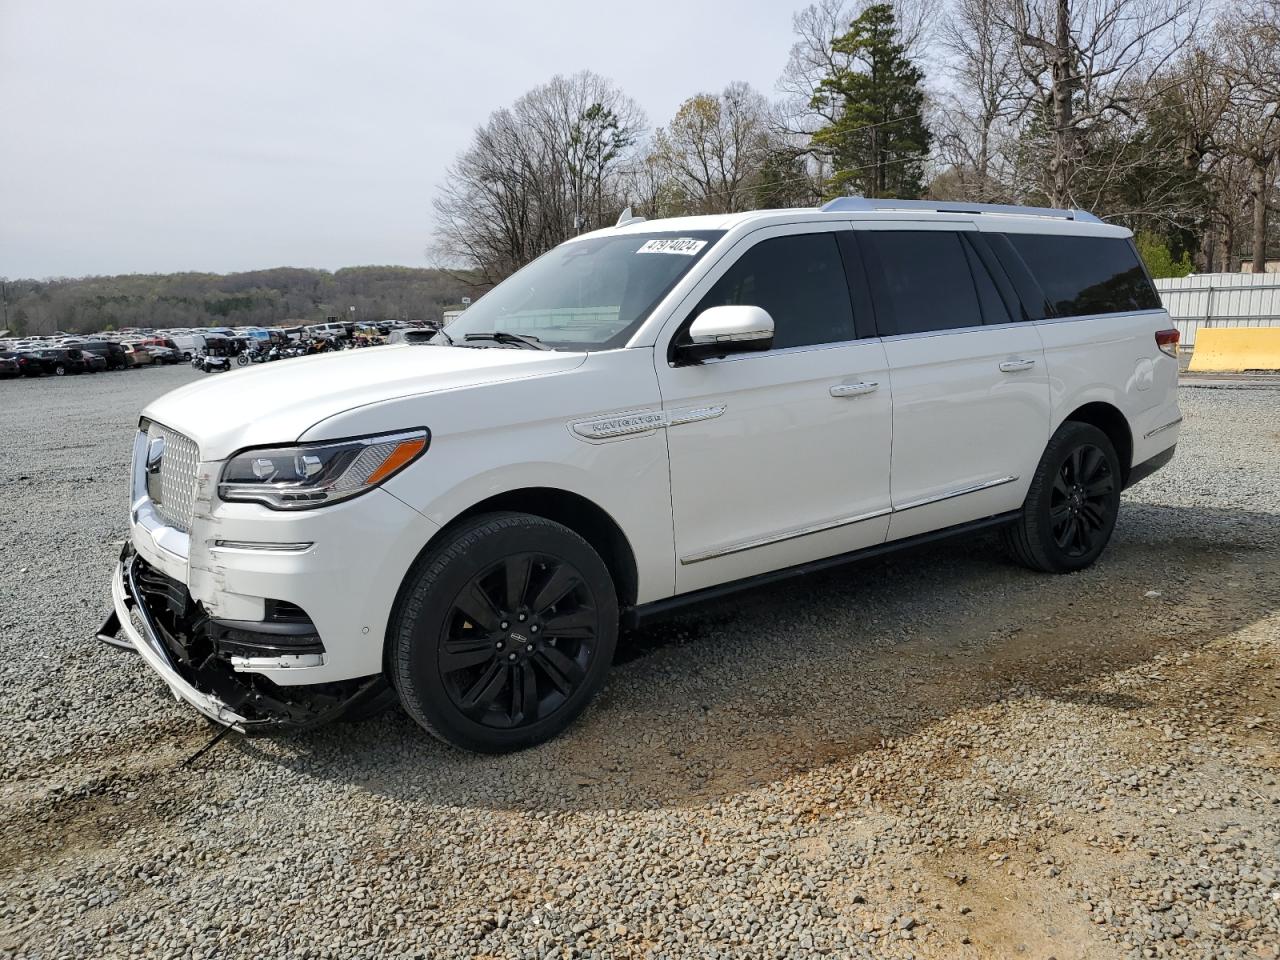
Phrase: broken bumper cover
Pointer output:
(215, 686)
(147, 643)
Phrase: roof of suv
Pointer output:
(986, 216)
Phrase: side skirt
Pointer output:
(639, 615)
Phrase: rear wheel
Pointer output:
(60, 370)
(1071, 507)
(503, 633)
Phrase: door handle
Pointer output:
(1013, 366)
(860, 389)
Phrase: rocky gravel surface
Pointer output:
(938, 755)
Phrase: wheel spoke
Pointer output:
(1093, 462)
(461, 654)
(1093, 515)
(1099, 488)
(562, 581)
(1059, 514)
(1060, 484)
(478, 607)
(561, 670)
(517, 572)
(1076, 462)
(577, 624)
(524, 694)
(485, 690)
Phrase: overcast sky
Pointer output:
(233, 135)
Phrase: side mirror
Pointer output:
(720, 331)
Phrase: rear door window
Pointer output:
(1086, 275)
(921, 281)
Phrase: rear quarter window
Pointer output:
(1086, 275)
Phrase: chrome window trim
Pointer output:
(773, 538)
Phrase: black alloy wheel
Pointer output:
(518, 640)
(1080, 502)
(503, 632)
(1072, 504)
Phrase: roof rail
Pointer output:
(868, 204)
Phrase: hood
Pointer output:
(277, 402)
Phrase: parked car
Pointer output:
(646, 416)
(139, 356)
(9, 366)
(94, 362)
(113, 353)
(60, 361)
(27, 364)
(165, 355)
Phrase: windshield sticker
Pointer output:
(684, 246)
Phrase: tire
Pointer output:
(531, 648)
(60, 370)
(1071, 508)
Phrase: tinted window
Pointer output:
(799, 280)
(1084, 275)
(925, 281)
(993, 305)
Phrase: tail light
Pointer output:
(1167, 342)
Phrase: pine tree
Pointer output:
(878, 142)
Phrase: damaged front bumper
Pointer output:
(146, 641)
(210, 682)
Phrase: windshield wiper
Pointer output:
(515, 339)
(447, 339)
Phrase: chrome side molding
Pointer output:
(1168, 426)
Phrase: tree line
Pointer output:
(256, 298)
(1162, 115)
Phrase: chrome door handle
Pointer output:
(1013, 366)
(860, 389)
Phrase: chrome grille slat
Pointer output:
(178, 468)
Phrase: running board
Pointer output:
(637, 616)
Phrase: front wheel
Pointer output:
(1072, 504)
(503, 633)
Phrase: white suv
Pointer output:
(645, 416)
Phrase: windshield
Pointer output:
(586, 294)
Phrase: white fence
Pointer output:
(1221, 300)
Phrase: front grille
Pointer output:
(176, 502)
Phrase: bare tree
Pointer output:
(1253, 37)
(973, 118)
(537, 173)
(1091, 62)
(714, 149)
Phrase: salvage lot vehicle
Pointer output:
(62, 361)
(643, 417)
(138, 355)
(9, 366)
(114, 354)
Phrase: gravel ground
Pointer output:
(937, 755)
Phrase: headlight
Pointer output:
(311, 475)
